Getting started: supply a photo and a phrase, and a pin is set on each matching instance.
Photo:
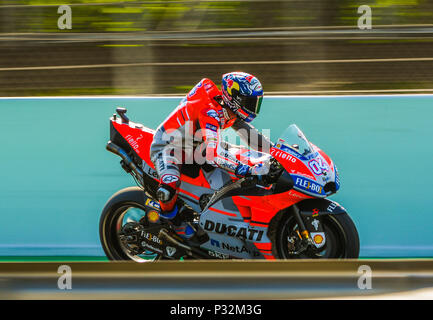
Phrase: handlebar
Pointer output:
(275, 171)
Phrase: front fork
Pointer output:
(310, 228)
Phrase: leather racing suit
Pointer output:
(192, 134)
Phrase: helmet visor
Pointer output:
(251, 104)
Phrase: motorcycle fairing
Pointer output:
(132, 136)
(191, 194)
(231, 228)
(235, 248)
(308, 186)
(229, 225)
(310, 173)
(319, 207)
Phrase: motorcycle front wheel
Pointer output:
(125, 206)
(342, 240)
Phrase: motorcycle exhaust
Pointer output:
(114, 148)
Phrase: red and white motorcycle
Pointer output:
(286, 215)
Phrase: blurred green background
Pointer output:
(165, 47)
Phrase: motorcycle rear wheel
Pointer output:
(126, 205)
(342, 240)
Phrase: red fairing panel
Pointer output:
(138, 137)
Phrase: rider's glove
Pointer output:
(259, 170)
(243, 170)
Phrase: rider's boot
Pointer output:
(184, 226)
(180, 216)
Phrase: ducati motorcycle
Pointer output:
(283, 215)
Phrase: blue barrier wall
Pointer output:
(56, 175)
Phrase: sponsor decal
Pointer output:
(318, 239)
(315, 212)
(307, 185)
(211, 127)
(257, 87)
(229, 156)
(153, 216)
(150, 171)
(235, 249)
(234, 231)
(213, 114)
(215, 243)
(282, 147)
(337, 178)
(151, 203)
(232, 85)
(226, 165)
(134, 142)
(170, 251)
(296, 195)
(218, 255)
(315, 224)
(169, 178)
(151, 237)
(146, 245)
(331, 207)
(160, 161)
(282, 155)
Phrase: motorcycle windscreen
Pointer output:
(294, 139)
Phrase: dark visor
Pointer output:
(252, 104)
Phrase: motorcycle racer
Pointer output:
(194, 128)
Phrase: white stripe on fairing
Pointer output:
(180, 125)
(186, 110)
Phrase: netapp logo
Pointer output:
(233, 231)
(235, 249)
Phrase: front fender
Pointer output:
(319, 207)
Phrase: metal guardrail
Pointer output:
(214, 280)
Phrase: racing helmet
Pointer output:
(243, 94)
